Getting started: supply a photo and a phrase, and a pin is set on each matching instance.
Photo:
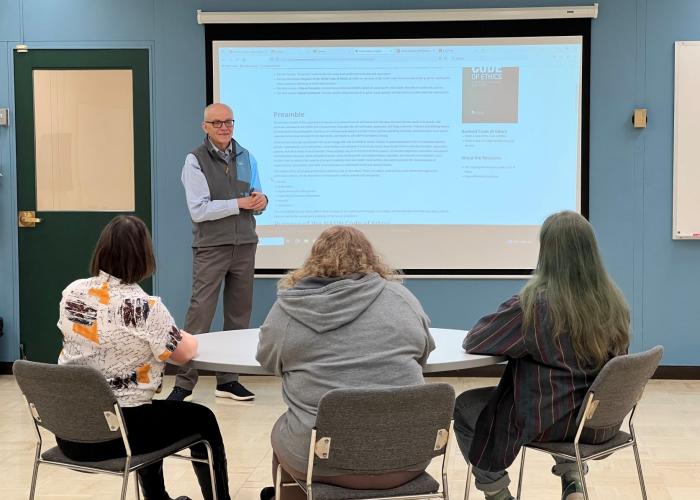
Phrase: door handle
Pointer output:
(27, 218)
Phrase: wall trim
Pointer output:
(662, 372)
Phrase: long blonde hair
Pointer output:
(580, 296)
(339, 251)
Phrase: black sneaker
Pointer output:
(179, 394)
(267, 493)
(233, 390)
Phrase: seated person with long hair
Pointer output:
(108, 322)
(565, 324)
(340, 321)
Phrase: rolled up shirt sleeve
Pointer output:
(199, 202)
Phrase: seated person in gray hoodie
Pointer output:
(340, 321)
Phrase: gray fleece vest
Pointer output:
(235, 229)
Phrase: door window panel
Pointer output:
(84, 140)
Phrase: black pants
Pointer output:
(154, 426)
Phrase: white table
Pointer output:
(234, 351)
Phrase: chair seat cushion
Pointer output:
(423, 484)
(586, 450)
(117, 464)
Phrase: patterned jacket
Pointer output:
(121, 331)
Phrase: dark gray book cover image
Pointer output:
(490, 94)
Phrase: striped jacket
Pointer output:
(540, 393)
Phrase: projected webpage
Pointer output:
(424, 144)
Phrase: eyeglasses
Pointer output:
(220, 123)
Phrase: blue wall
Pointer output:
(630, 174)
(8, 234)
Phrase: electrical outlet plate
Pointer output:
(639, 118)
(4, 117)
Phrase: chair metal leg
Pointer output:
(581, 472)
(468, 482)
(210, 462)
(445, 487)
(520, 476)
(278, 483)
(35, 472)
(639, 469)
(125, 483)
(136, 486)
(446, 457)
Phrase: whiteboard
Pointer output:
(686, 142)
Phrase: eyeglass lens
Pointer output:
(220, 123)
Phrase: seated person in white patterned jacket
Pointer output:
(109, 323)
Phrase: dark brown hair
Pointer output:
(124, 250)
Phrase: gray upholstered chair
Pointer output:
(613, 395)
(370, 431)
(75, 403)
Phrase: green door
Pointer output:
(83, 156)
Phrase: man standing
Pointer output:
(223, 195)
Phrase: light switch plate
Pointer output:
(4, 117)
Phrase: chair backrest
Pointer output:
(619, 386)
(381, 430)
(70, 401)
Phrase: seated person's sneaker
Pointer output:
(179, 394)
(504, 494)
(571, 487)
(233, 390)
(267, 493)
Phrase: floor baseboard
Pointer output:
(662, 372)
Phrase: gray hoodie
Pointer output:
(359, 331)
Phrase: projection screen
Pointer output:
(448, 152)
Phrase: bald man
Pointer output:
(223, 193)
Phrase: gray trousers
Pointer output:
(468, 407)
(234, 265)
